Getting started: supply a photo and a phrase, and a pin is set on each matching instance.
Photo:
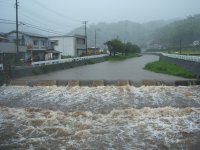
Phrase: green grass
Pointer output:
(168, 68)
(122, 57)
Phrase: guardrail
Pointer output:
(184, 57)
(1, 66)
(59, 61)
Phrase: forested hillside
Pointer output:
(166, 33)
(186, 31)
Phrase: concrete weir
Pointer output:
(95, 83)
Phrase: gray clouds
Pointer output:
(65, 15)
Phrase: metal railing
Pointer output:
(184, 57)
(59, 61)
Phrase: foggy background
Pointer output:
(63, 16)
(143, 22)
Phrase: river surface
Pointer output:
(111, 117)
(130, 69)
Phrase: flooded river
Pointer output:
(99, 117)
(130, 69)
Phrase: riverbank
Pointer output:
(165, 67)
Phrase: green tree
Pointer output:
(114, 46)
(131, 48)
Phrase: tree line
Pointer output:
(117, 46)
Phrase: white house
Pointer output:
(69, 45)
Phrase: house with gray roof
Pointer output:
(32, 46)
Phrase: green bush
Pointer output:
(40, 70)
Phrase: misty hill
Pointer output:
(185, 30)
(162, 32)
(126, 31)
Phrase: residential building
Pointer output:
(69, 45)
(37, 46)
(8, 52)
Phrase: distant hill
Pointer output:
(166, 33)
(185, 30)
(126, 31)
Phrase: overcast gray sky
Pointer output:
(65, 15)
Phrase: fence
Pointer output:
(184, 57)
(59, 61)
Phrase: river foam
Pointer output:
(99, 117)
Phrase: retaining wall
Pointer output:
(95, 83)
(191, 66)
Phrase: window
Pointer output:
(80, 41)
(54, 43)
(43, 43)
(23, 40)
(35, 42)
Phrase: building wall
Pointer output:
(29, 40)
(80, 46)
(69, 45)
(39, 45)
(6, 47)
(65, 45)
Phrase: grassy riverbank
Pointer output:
(168, 68)
(122, 57)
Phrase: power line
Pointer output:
(45, 30)
(30, 25)
(36, 19)
(41, 28)
(6, 22)
(55, 12)
(47, 23)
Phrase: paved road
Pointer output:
(131, 69)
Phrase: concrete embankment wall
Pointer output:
(17, 73)
(191, 66)
(95, 83)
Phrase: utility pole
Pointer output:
(17, 32)
(85, 22)
(95, 41)
(180, 46)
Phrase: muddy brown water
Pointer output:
(130, 69)
(152, 117)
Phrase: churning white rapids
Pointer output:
(154, 117)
